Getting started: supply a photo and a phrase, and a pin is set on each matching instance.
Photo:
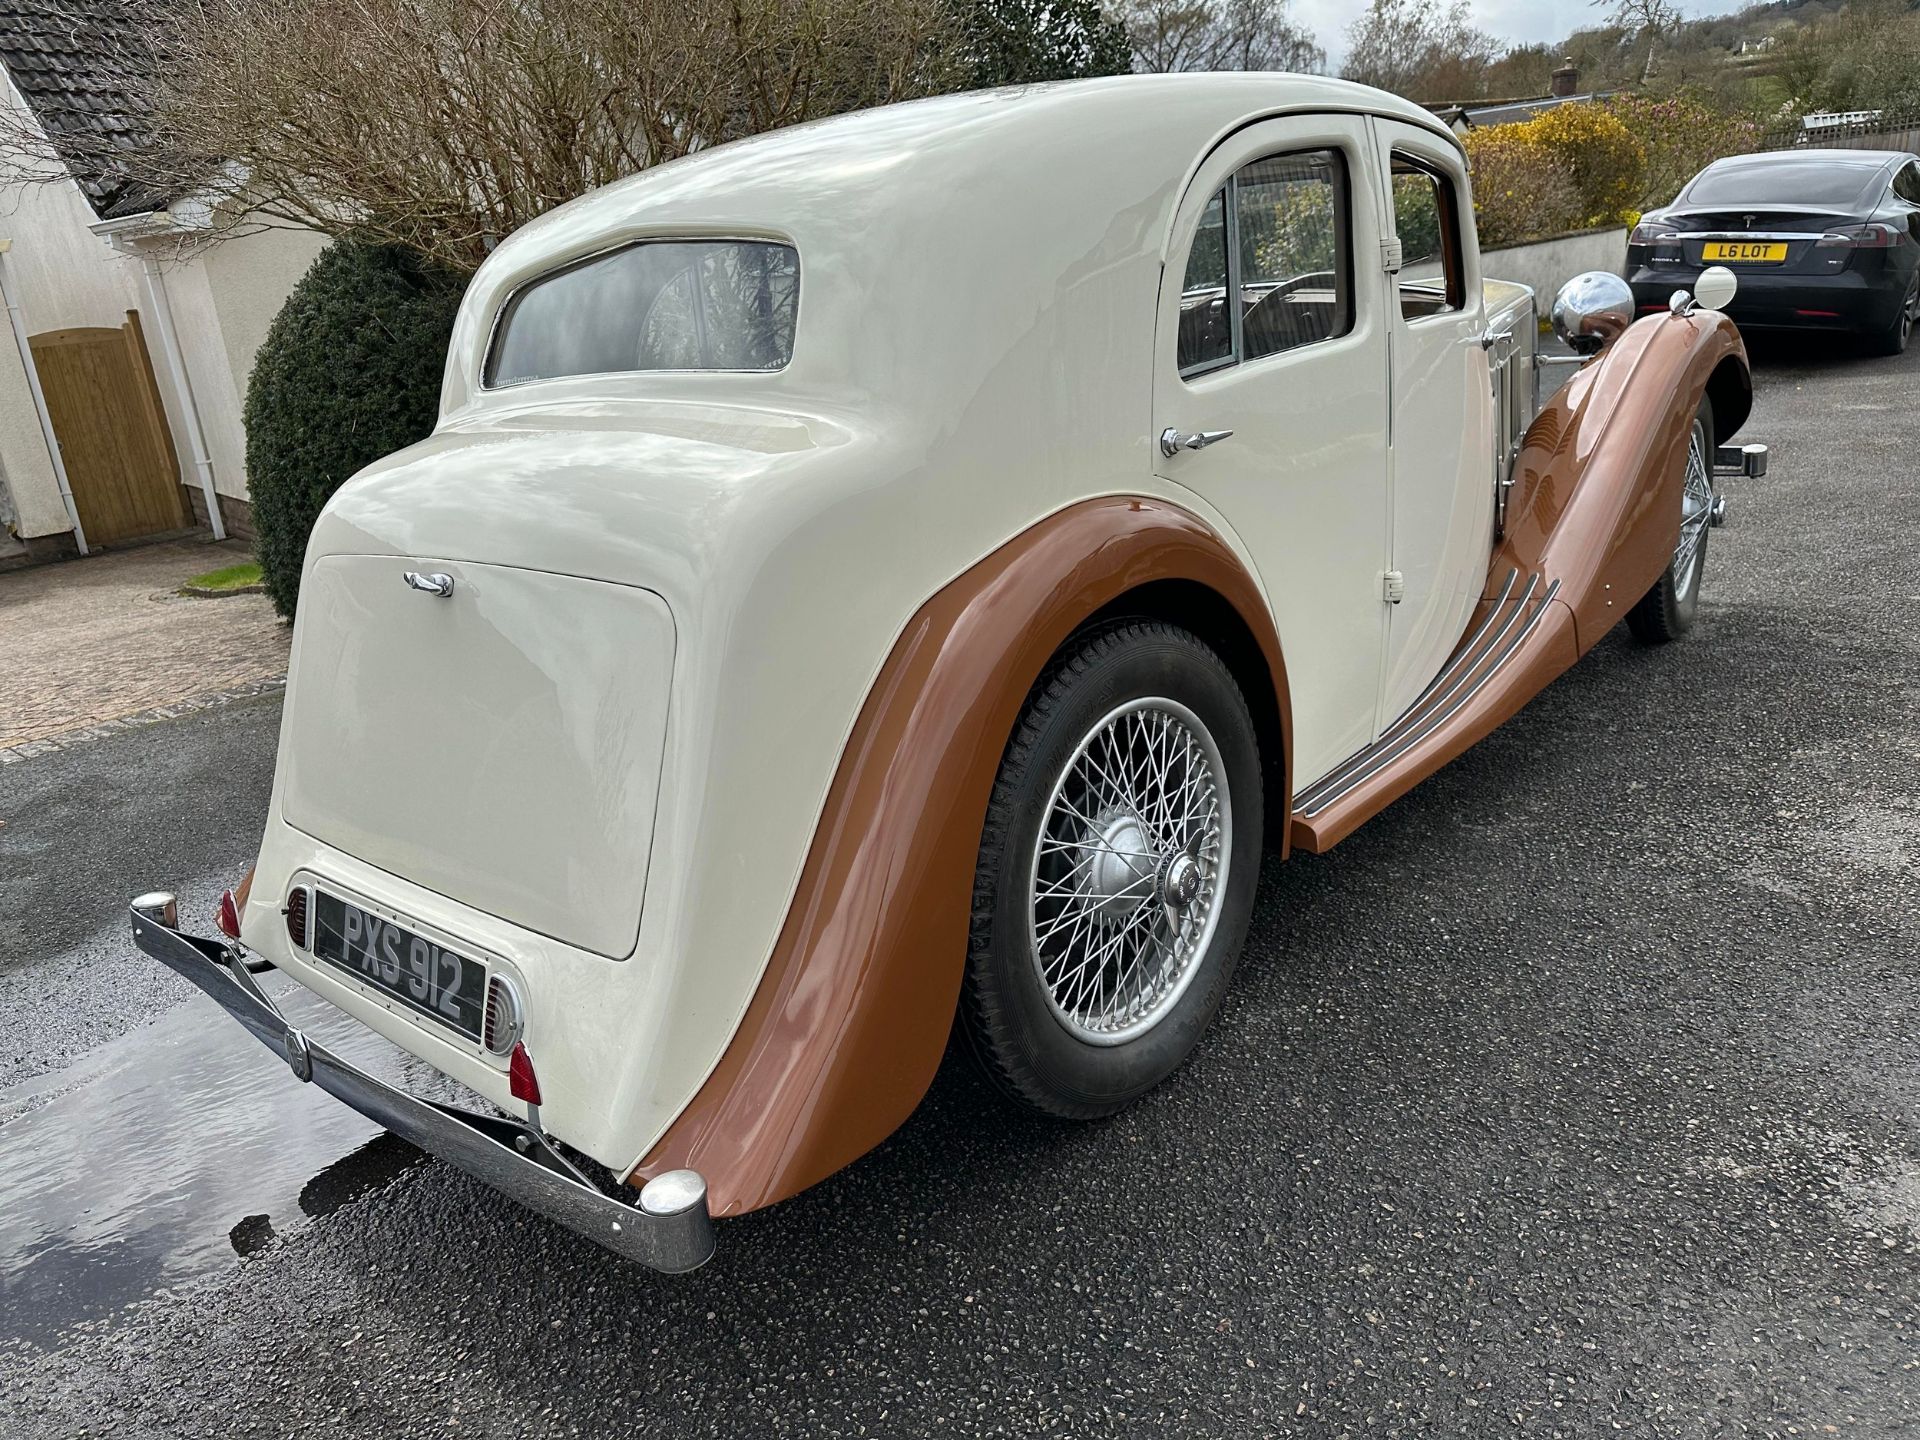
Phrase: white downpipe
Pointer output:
(19, 322)
(183, 387)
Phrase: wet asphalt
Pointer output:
(1578, 1094)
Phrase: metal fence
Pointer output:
(1890, 130)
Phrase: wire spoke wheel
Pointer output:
(1696, 511)
(1127, 875)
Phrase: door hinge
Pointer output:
(1390, 255)
(1393, 587)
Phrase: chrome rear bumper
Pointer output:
(668, 1229)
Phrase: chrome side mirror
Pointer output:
(1715, 287)
(1591, 310)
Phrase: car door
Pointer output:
(1440, 427)
(1271, 327)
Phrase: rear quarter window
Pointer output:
(655, 305)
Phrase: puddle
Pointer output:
(166, 1154)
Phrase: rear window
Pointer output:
(1784, 182)
(657, 305)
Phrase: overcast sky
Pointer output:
(1515, 21)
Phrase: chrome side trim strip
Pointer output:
(1502, 650)
(1465, 658)
(667, 1228)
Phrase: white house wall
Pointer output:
(223, 299)
(24, 462)
(248, 281)
(63, 276)
(196, 318)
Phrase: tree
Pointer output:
(1172, 35)
(1421, 49)
(442, 125)
(1648, 18)
(1018, 42)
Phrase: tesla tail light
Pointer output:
(1861, 237)
(297, 917)
(228, 916)
(521, 1080)
(1645, 234)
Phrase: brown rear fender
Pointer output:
(850, 1018)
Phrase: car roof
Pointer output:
(1852, 159)
(1097, 127)
(1022, 190)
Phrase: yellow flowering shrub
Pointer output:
(1604, 157)
(1519, 193)
(1571, 168)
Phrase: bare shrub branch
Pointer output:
(443, 125)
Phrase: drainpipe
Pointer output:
(19, 322)
(182, 387)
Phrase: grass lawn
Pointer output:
(228, 577)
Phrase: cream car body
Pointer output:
(600, 765)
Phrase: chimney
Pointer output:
(1566, 80)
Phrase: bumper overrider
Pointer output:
(668, 1228)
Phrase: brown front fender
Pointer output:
(1596, 497)
(1591, 523)
(849, 1021)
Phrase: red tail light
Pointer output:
(521, 1080)
(228, 919)
(297, 917)
(1862, 237)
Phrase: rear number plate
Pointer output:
(1742, 252)
(421, 975)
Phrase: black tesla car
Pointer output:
(1821, 240)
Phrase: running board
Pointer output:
(1521, 643)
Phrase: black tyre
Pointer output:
(1666, 611)
(1117, 870)
(1892, 339)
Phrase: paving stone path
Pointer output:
(89, 646)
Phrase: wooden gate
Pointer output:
(112, 430)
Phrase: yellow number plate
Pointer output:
(1742, 252)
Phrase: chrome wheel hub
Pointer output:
(1127, 874)
(1119, 869)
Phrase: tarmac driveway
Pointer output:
(1578, 1094)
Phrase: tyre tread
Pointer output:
(984, 1018)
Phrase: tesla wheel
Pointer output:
(1893, 340)
(1666, 611)
(1117, 870)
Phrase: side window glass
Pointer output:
(1270, 267)
(1425, 216)
(1907, 184)
(1291, 214)
(1206, 330)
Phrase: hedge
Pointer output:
(350, 371)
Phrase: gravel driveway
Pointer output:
(1578, 1094)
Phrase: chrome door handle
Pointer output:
(435, 584)
(1173, 441)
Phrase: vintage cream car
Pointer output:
(906, 571)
